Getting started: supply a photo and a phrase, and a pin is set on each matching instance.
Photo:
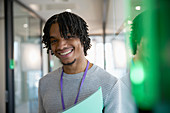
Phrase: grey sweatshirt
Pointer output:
(116, 95)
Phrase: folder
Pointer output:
(92, 104)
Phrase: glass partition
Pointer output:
(115, 45)
(27, 57)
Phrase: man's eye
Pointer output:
(53, 41)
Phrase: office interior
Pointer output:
(23, 60)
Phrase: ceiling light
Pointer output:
(60, 0)
(68, 10)
(129, 22)
(34, 7)
(25, 25)
(138, 8)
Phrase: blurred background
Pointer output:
(130, 39)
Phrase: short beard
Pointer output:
(69, 63)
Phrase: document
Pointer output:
(92, 104)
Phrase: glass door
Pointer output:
(27, 57)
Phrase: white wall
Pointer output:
(2, 67)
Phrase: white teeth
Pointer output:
(65, 53)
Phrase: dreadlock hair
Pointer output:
(68, 23)
(137, 32)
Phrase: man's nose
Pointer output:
(62, 44)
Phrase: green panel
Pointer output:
(150, 68)
(12, 64)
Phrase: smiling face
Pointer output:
(67, 50)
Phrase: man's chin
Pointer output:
(69, 63)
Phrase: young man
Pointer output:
(66, 35)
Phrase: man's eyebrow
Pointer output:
(52, 37)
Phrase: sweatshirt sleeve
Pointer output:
(40, 101)
(119, 100)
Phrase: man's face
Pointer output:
(67, 50)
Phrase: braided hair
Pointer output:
(68, 23)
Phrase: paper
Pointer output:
(93, 104)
